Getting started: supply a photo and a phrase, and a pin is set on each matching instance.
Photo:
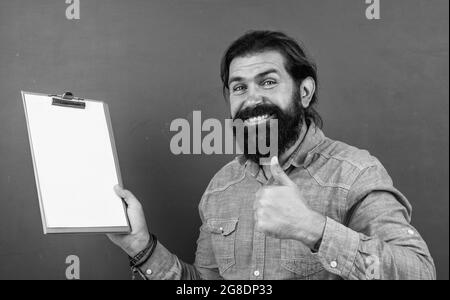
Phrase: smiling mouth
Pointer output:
(258, 120)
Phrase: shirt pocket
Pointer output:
(223, 238)
(299, 260)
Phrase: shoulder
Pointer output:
(337, 164)
(347, 154)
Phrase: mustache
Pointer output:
(259, 110)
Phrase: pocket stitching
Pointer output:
(289, 265)
(312, 265)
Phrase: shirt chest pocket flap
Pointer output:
(223, 236)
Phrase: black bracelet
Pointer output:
(145, 254)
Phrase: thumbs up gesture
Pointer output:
(281, 212)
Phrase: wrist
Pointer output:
(138, 244)
(316, 226)
(141, 257)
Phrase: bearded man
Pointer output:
(321, 210)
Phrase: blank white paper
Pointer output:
(74, 164)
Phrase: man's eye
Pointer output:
(269, 82)
(238, 88)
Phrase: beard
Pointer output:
(289, 122)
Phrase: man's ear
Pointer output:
(307, 90)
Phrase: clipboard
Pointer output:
(75, 164)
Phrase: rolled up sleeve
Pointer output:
(377, 240)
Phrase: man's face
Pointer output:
(259, 79)
(261, 89)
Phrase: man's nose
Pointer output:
(254, 96)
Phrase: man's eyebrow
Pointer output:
(234, 78)
(262, 74)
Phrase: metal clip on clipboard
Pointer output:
(68, 100)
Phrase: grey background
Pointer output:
(383, 87)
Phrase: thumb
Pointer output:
(278, 173)
(126, 195)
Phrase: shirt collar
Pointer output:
(313, 138)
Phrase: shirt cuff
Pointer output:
(338, 249)
(159, 266)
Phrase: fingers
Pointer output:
(122, 193)
(126, 195)
(278, 173)
(260, 204)
(259, 217)
(258, 195)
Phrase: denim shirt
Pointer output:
(367, 234)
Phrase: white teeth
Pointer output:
(257, 119)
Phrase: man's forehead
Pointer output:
(256, 63)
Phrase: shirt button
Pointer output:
(333, 264)
(411, 232)
(256, 273)
(148, 272)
